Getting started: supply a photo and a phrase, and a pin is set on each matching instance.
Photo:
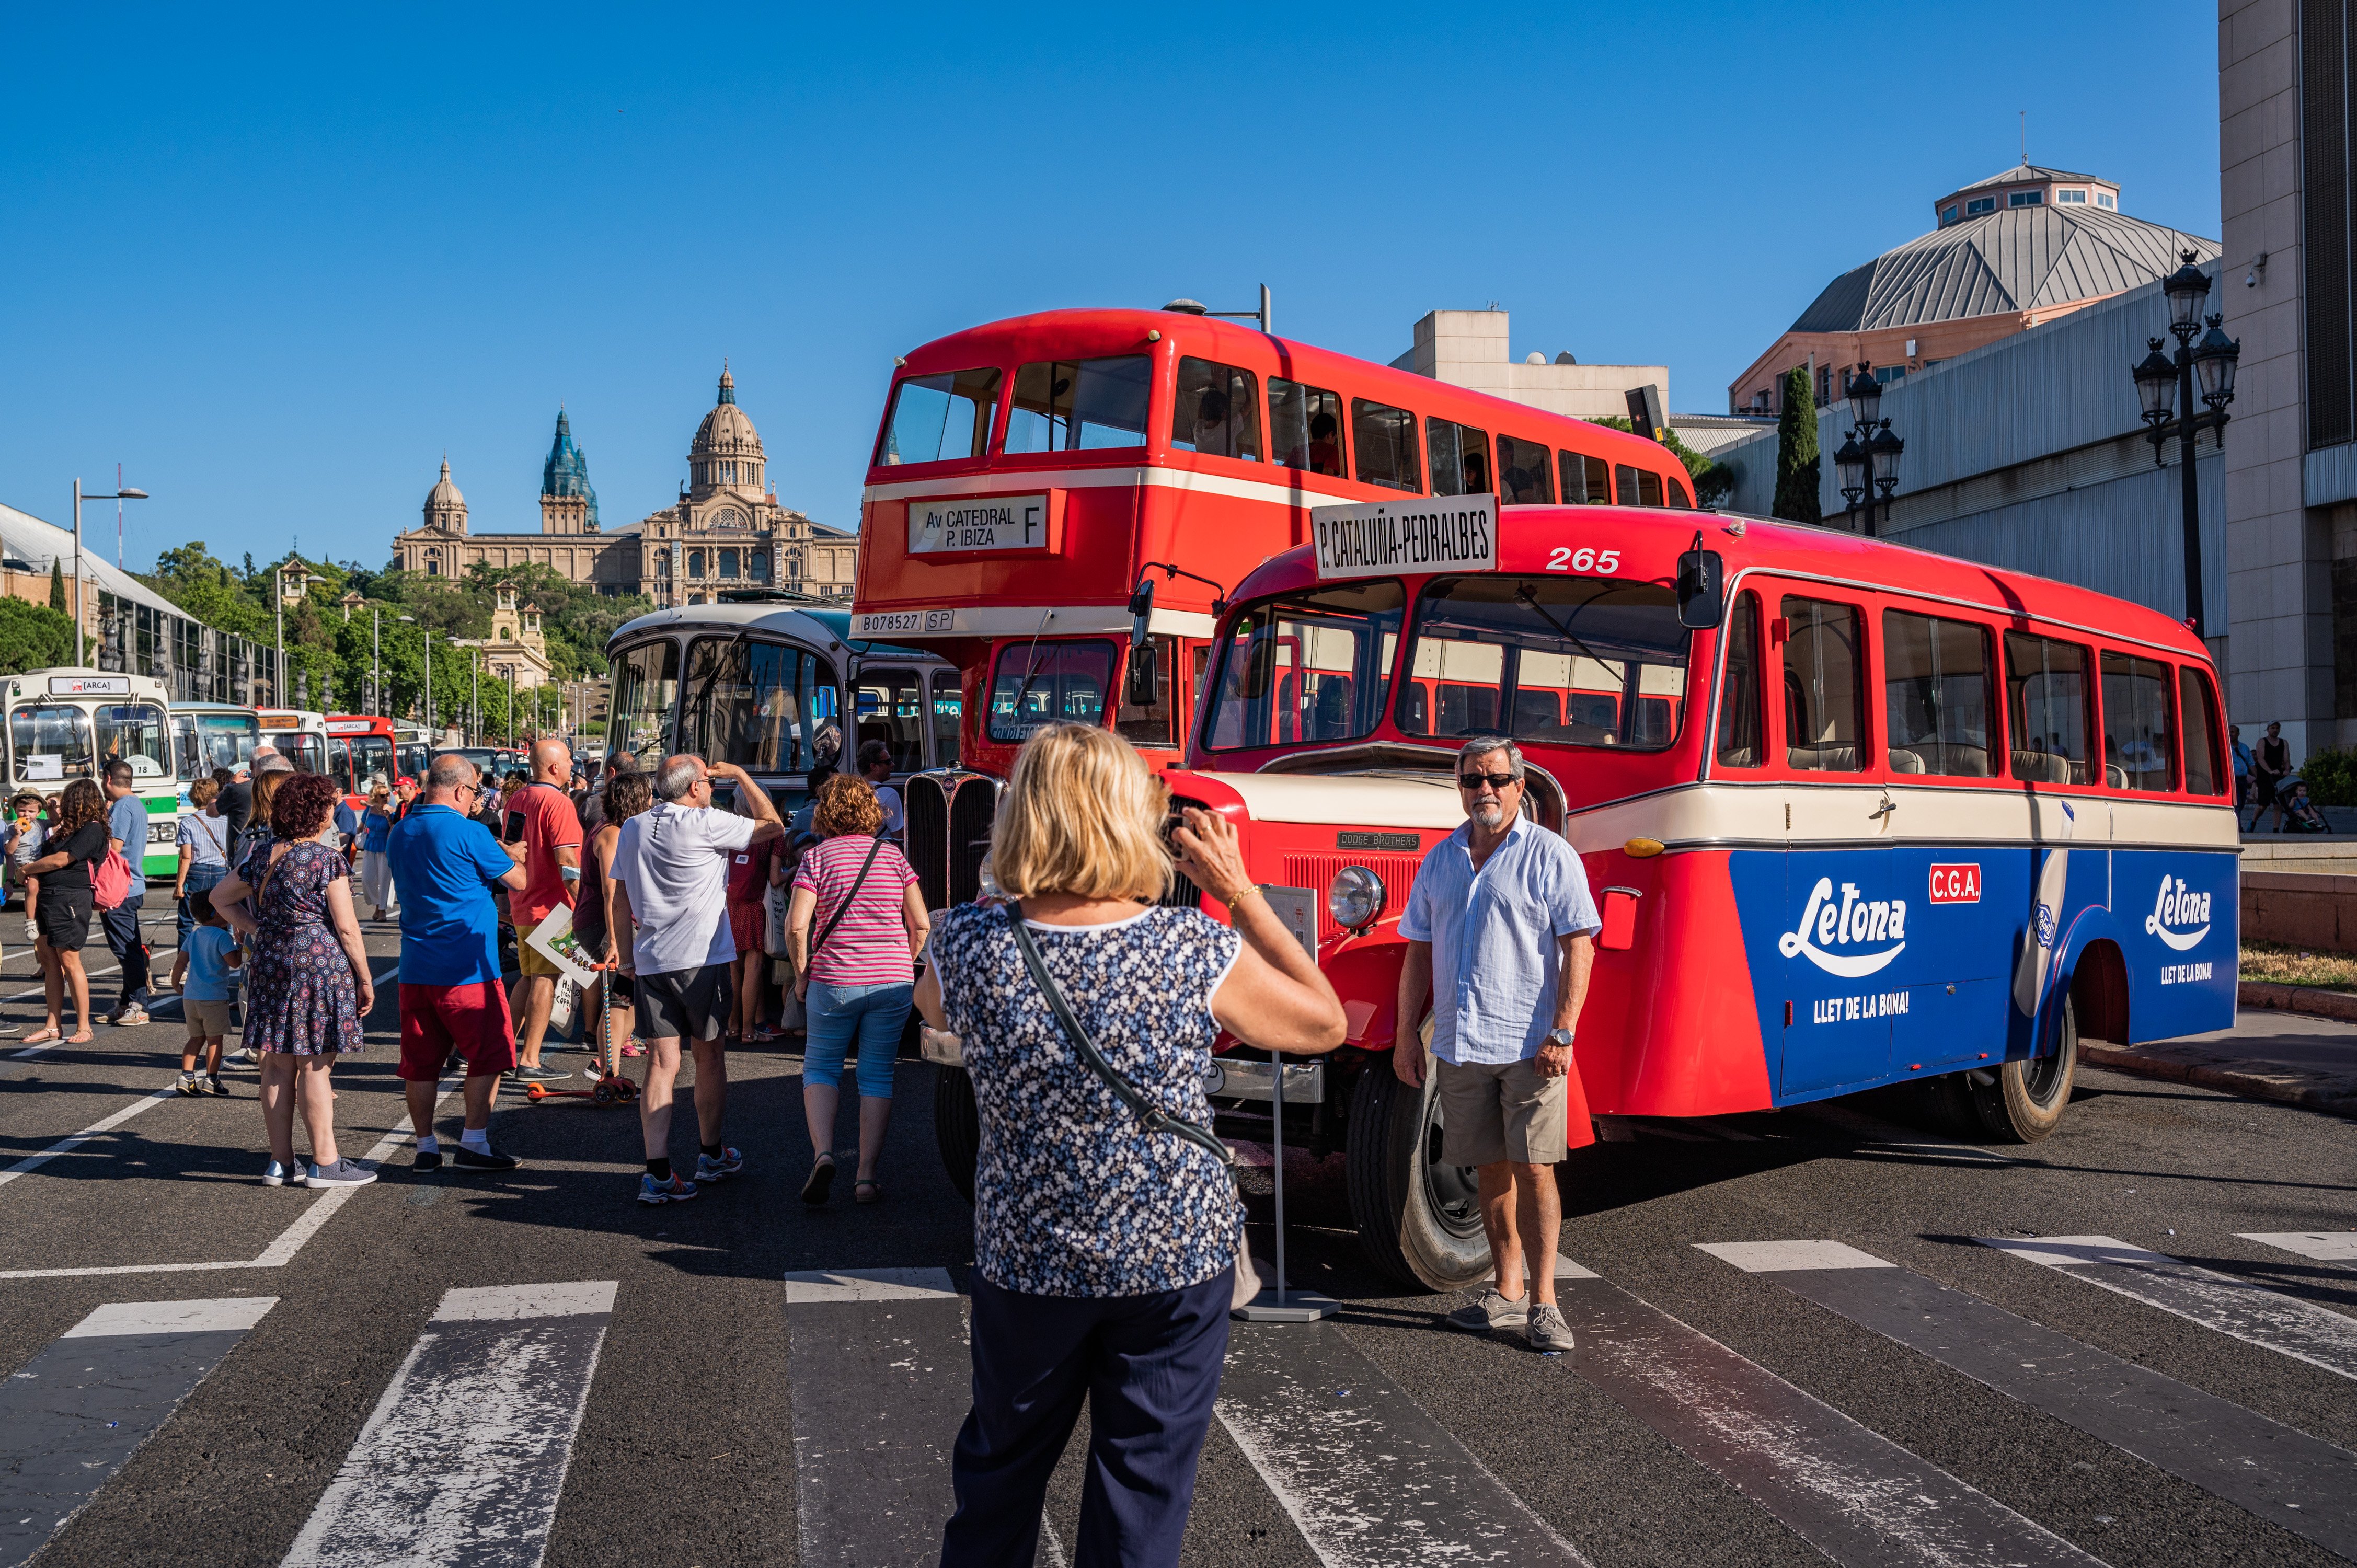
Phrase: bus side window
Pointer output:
(1649, 488)
(2046, 708)
(1384, 439)
(1738, 695)
(1586, 481)
(1305, 424)
(1524, 476)
(1935, 695)
(1459, 454)
(1674, 490)
(2202, 774)
(1217, 411)
(1824, 699)
(2138, 751)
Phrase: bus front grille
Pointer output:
(971, 810)
(927, 798)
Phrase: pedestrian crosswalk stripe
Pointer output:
(1848, 1491)
(67, 1145)
(1367, 1475)
(2324, 1246)
(867, 1284)
(75, 1413)
(462, 1461)
(2251, 1313)
(2282, 1474)
(1777, 1257)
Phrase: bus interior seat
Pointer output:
(1903, 760)
(1738, 756)
(2042, 767)
(1821, 758)
(2117, 778)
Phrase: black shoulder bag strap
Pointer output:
(845, 908)
(1155, 1118)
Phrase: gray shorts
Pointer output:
(1491, 1113)
(684, 1004)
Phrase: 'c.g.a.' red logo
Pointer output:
(1955, 885)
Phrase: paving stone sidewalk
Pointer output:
(2307, 1056)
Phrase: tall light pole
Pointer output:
(2165, 387)
(376, 658)
(122, 493)
(427, 637)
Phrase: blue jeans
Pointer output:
(203, 880)
(873, 1016)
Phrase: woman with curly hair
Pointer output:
(308, 983)
(77, 834)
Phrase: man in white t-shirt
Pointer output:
(875, 767)
(672, 865)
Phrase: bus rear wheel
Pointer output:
(1419, 1220)
(957, 1128)
(2024, 1101)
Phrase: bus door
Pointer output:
(891, 700)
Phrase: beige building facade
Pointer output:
(1468, 349)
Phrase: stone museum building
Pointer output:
(726, 531)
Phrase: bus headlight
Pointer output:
(1355, 897)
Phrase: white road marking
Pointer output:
(868, 1284)
(1784, 1257)
(2251, 1313)
(506, 1302)
(67, 1145)
(2324, 1246)
(235, 1312)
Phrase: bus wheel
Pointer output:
(957, 1128)
(2024, 1101)
(1419, 1220)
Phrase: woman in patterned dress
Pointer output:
(1104, 1253)
(308, 983)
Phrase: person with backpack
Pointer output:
(120, 888)
(855, 974)
(77, 838)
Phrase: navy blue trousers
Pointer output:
(1149, 1366)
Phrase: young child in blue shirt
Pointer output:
(203, 973)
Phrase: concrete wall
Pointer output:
(2300, 909)
(1468, 349)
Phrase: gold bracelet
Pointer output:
(1249, 888)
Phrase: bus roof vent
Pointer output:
(1188, 308)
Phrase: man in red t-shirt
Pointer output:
(543, 834)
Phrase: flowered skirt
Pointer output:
(300, 994)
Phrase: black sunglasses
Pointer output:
(1495, 780)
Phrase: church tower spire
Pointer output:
(567, 504)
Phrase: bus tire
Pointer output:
(957, 1128)
(1419, 1221)
(2024, 1101)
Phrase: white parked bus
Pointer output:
(63, 723)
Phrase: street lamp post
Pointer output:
(376, 658)
(122, 493)
(427, 707)
(2165, 389)
(1868, 459)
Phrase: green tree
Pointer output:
(1796, 450)
(56, 586)
(32, 637)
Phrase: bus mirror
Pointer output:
(1141, 615)
(1143, 688)
(1702, 589)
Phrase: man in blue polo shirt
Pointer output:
(1499, 932)
(445, 862)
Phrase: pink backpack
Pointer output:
(110, 880)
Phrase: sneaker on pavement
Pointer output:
(343, 1173)
(541, 1075)
(1489, 1313)
(1546, 1330)
(275, 1174)
(426, 1160)
(189, 1084)
(730, 1161)
(213, 1085)
(242, 1057)
(467, 1159)
(129, 1018)
(675, 1190)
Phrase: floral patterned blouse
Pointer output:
(1073, 1196)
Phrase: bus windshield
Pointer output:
(50, 742)
(137, 733)
(207, 741)
(1566, 661)
(1312, 667)
(1040, 684)
(306, 749)
(768, 707)
(646, 685)
(370, 758)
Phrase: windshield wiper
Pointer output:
(1523, 592)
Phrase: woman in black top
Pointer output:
(78, 836)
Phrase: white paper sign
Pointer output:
(977, 523)
(553, 940)
(44, 769)
(1414, 534)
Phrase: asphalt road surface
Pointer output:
(1824, 1333)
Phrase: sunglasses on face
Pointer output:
(1499, 781)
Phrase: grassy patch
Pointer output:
(2282, 965)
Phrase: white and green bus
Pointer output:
(67, 724)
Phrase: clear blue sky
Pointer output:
(276, 262)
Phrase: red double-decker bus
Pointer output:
(1056, 498)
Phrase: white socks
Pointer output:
(478, 1139)
(429, 1145)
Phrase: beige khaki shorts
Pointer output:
(207, 1020)
(1490, 1112)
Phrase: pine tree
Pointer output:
(56, 586)
(1796, 450)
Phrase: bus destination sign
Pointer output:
(1375, 539)
(977, 523)
(89, 685)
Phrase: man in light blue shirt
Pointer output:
(126, 834)
(1500, 928)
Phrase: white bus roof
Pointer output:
(824, 629)
(103, 683)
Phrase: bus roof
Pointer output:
(821, 629)
(1531, 540)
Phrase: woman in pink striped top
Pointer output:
(854, 928)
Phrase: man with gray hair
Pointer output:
(671, 864)
(1499, 937)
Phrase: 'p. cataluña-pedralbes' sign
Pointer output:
(1421, 533)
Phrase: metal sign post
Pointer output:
(1276, 1303)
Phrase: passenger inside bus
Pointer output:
(1217, 412)
(1306, 424)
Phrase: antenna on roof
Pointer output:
(2024, 138)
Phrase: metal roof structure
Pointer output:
(2023, 173)
(2017, 258)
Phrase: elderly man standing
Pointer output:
(671, 862)
(549, 849)
(1498, 929)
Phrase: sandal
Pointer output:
(42, 1037)
(875, 1193)
(84, 1038)
(821, 1179)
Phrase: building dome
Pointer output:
(726, 432)
(445, 507)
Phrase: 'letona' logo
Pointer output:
(2175, 907)
(1828, 924)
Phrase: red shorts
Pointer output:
(472, 1020)
(745, 922)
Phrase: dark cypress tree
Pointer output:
(57, 585)
(1796, 450)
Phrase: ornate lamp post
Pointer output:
(2165, 389)
(1868, 459)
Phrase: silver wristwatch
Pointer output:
(1558, 1037)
